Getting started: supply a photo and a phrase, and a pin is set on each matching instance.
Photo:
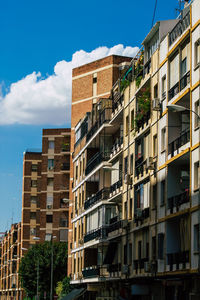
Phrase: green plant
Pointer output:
(138, 81)
(144, 103)
(123, 84)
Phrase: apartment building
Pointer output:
(45, 200)
(136, 209)
(89, 83)
(10, 256)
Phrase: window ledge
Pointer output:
(162, 151)
(196, 128)
(196, 189)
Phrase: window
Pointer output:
(197, 52)
(131, 165)
(139, 250)
(50, 164)
(50, 181)
(162, 193)
(155, 145)
(174, 71)
(48, 237)
(196, 175)
(51, 145)
(139, 196)
(94, 79)
(34, 168)
(33, 231)
(49, 218)
(183, 67)
(125, 254)
(132, 119)
(196, 237)
(63, 235)
(160, 245)
(76, 172)
(153, 247)
(130, 253)
(127, 123)
(164, 86)
(196, 119)
(125, 165)
(33, 183)
(163, 139)
(154, 202)
(34, 199)
(139, 149)
(155, 91)
(32, 215)
(49, 199)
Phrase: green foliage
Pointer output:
(123, 84)
(63, 287)
(144, 103)
(138, 81)
(42, 253)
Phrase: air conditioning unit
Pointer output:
(49, 206)
(125, 269)
(138, 213)
(147, 266)
(127, 179)
(149, 163)
(156, 104)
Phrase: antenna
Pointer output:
(181, 5)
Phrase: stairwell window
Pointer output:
(162, 192)
(33, 183)
(49, 218)
(127, 124)
(155, 145)
(163, 139)
(50, 164)
(34, 168)
(132, 119)
(196, 237)
(51, 145)
(163, 86)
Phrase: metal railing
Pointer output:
(100, 195)
(185, 80)
(178, 200)
(117, 102)
(178, 142)
(173, 91)
(118, 142)
(116, 185)
(115, 225)
(114, 268)
(179, 28)
(177, 258)
(96, 233)
(96, 160)
(91, 272)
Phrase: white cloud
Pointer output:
(34, 100)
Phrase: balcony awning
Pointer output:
(74, 294)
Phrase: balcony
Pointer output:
(117, 146)
(116, 186)
(185, 80)
(104, 117)
(177, 201)
(117, 104)
(142, 122)
(141, 214)
(177, 260)
(140, 166)
(96, 160)
(173, 91)
(115, 224)
(183, 139)
(138, 264)
(100, 195)
(179, 29)
(98, 233)
(114, 268)
(91, 272)
(147, 67)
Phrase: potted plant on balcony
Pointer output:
(143, 107)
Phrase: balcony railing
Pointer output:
(177, 258)
(96, 160)
(179, 28)
(118, 142)
(91, 272)
(114, 268)
(115, 225)
(140, 123)
(178, 200)
(138, 264)
(118, 101)
(116, 186)
(173, 91)
(96, 233)
(104, 116)
(180, 141)
(185, 80)
(100, 195)
(139, 166)
(147, 67)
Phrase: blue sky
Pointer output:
(40, 43)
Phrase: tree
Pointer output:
(63, 287)
(40, 254)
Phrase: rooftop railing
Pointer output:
(179, 28)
